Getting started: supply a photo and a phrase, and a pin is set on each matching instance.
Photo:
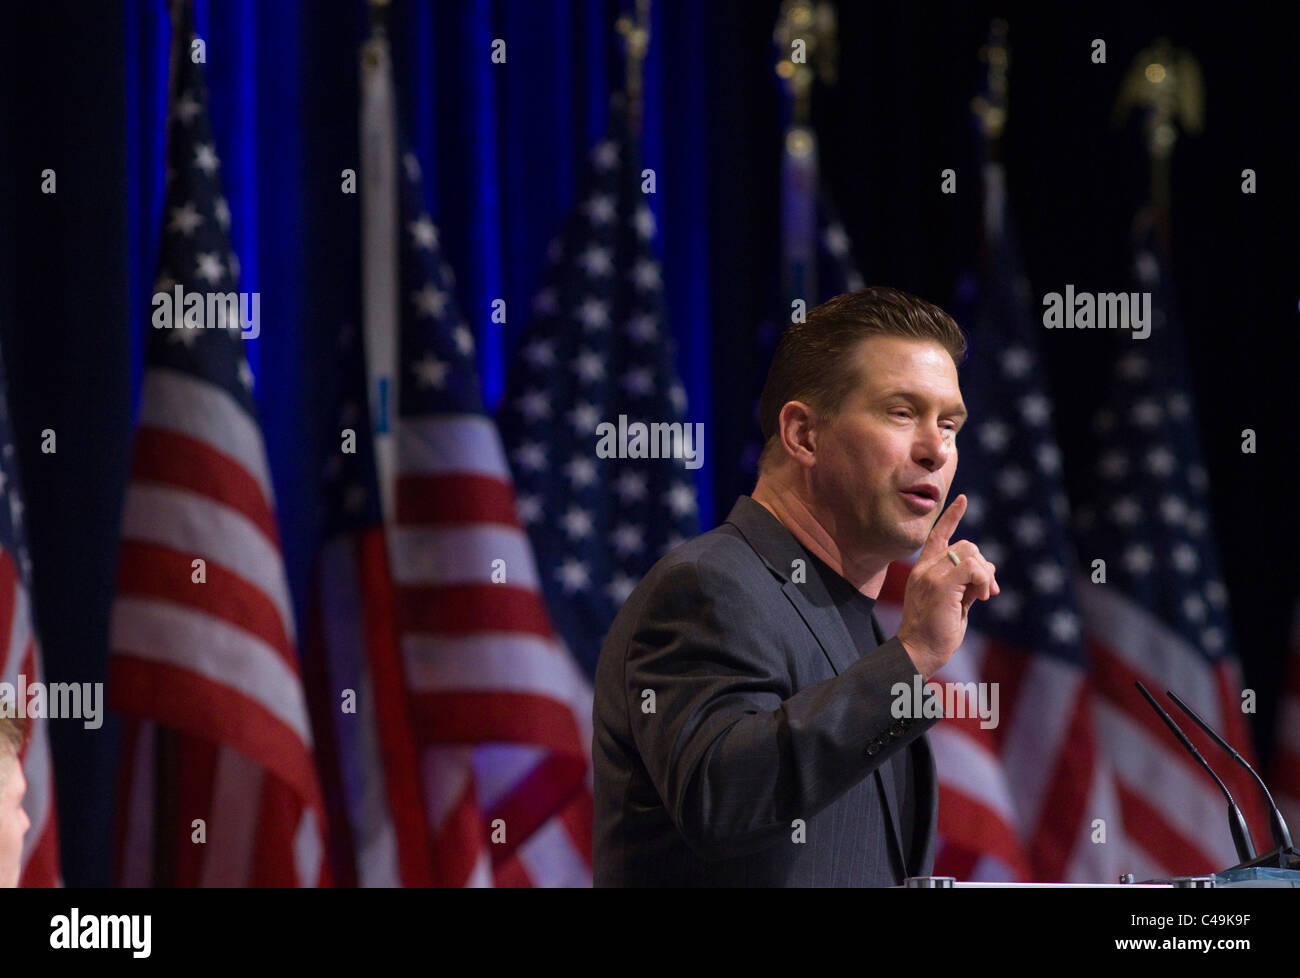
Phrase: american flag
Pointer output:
(835, 273)
(501, 713)
(597, 348)
(203, 660)
(1018, 800)
(22, 657)
(1162, 614)
(366, 748)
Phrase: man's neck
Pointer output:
(866, 572)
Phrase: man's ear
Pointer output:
(797, 426)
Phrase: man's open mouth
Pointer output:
(922, 497)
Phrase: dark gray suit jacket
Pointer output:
(763, 714)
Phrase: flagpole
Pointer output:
(379, 243)
(991, 109)
(805, 34)
(166, 741)
(181, 12)
(179, 9)
(378, 17)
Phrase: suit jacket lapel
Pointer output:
(824, 620)
(779, 549)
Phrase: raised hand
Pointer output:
(946, 580)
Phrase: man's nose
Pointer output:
(934, 446)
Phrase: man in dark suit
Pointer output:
(747, 727)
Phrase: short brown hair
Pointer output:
(13, 732)
(812, 362)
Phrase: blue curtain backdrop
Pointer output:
(501, 145)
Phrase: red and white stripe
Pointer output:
(1174, 815)
(207, 672)
(368, 758)
(502, 712)
(21, 657)
(1081, 758)
(1021, 800)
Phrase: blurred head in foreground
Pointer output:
(13, 819)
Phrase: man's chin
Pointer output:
(912, 536)
(902, 538)
(903, 544)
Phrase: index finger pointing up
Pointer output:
(943, 529)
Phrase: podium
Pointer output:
(1254, 876)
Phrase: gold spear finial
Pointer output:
(812, 23)
(378, 30)
(991, 106)
(1166, 82)
(636, 40)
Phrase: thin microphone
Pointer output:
(1276, 823)
(1236, 822)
